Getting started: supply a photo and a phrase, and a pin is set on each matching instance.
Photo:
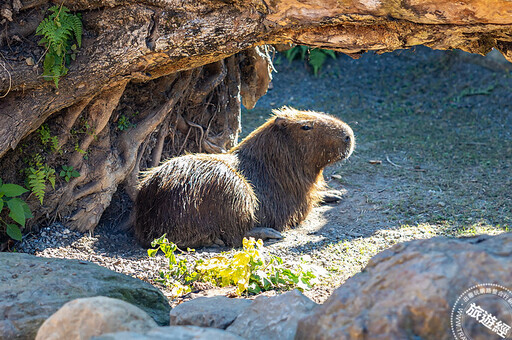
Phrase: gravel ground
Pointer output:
(434, 157)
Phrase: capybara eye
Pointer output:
(347, 139)
(306, 127)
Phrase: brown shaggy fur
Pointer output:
(271, 179)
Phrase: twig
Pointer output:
(393, 164)
(200, 129)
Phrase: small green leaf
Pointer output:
(12, 190)
(330, 53)
(14, 232)
(62, 173)
(152, 252)
(253, 288)
(51, 179)
(1, 204)
(26, 210)
(75, 173)
(17, 213)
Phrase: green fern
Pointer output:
(36, 183)
(296, 51)
(37, 175)
(316, 59)
(58, 31)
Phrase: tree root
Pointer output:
(196, 111)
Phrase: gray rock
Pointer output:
(173, 333)
(33, 288)
(216, 312)
(272, 318)
(84, 318)
(409, 290)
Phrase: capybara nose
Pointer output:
(347, 139)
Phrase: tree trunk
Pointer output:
(155, 78)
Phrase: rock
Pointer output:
(172, 333)
(216, 312)
(84, 318)
(272, 318)
(33, 288)
(409, 290)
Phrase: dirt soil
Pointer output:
(433, 157)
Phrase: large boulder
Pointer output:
(87, 317)
(409, 290)
(272, 318)
(172, 333)
(33, 288)
(216, 312)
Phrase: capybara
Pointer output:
(271, 179)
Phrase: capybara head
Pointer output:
(314, 139)
(321, 138)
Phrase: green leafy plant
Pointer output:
(38, 173)
(58, 30)
(83, 152)
(18, 209)
(178, 277)
(296, 52)
(68, 172)
(124, 123)
(316, 56)
(48, 140)
(251, 270)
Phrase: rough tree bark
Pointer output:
(176, 71)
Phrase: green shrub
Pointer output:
(251, 270)
(18, 209)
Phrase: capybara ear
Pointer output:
(280, 121)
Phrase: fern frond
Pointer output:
(36, 184)
(330, 53)
(74, 25)
(316, 60)
(58, 30)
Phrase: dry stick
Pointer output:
(201, 130)
(184, 142)
(395, 165)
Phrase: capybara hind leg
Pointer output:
(332, 196)
(264, 233)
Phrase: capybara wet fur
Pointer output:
(271, 179)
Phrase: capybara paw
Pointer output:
(332, 196)
(264, 233)
(219, 242)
